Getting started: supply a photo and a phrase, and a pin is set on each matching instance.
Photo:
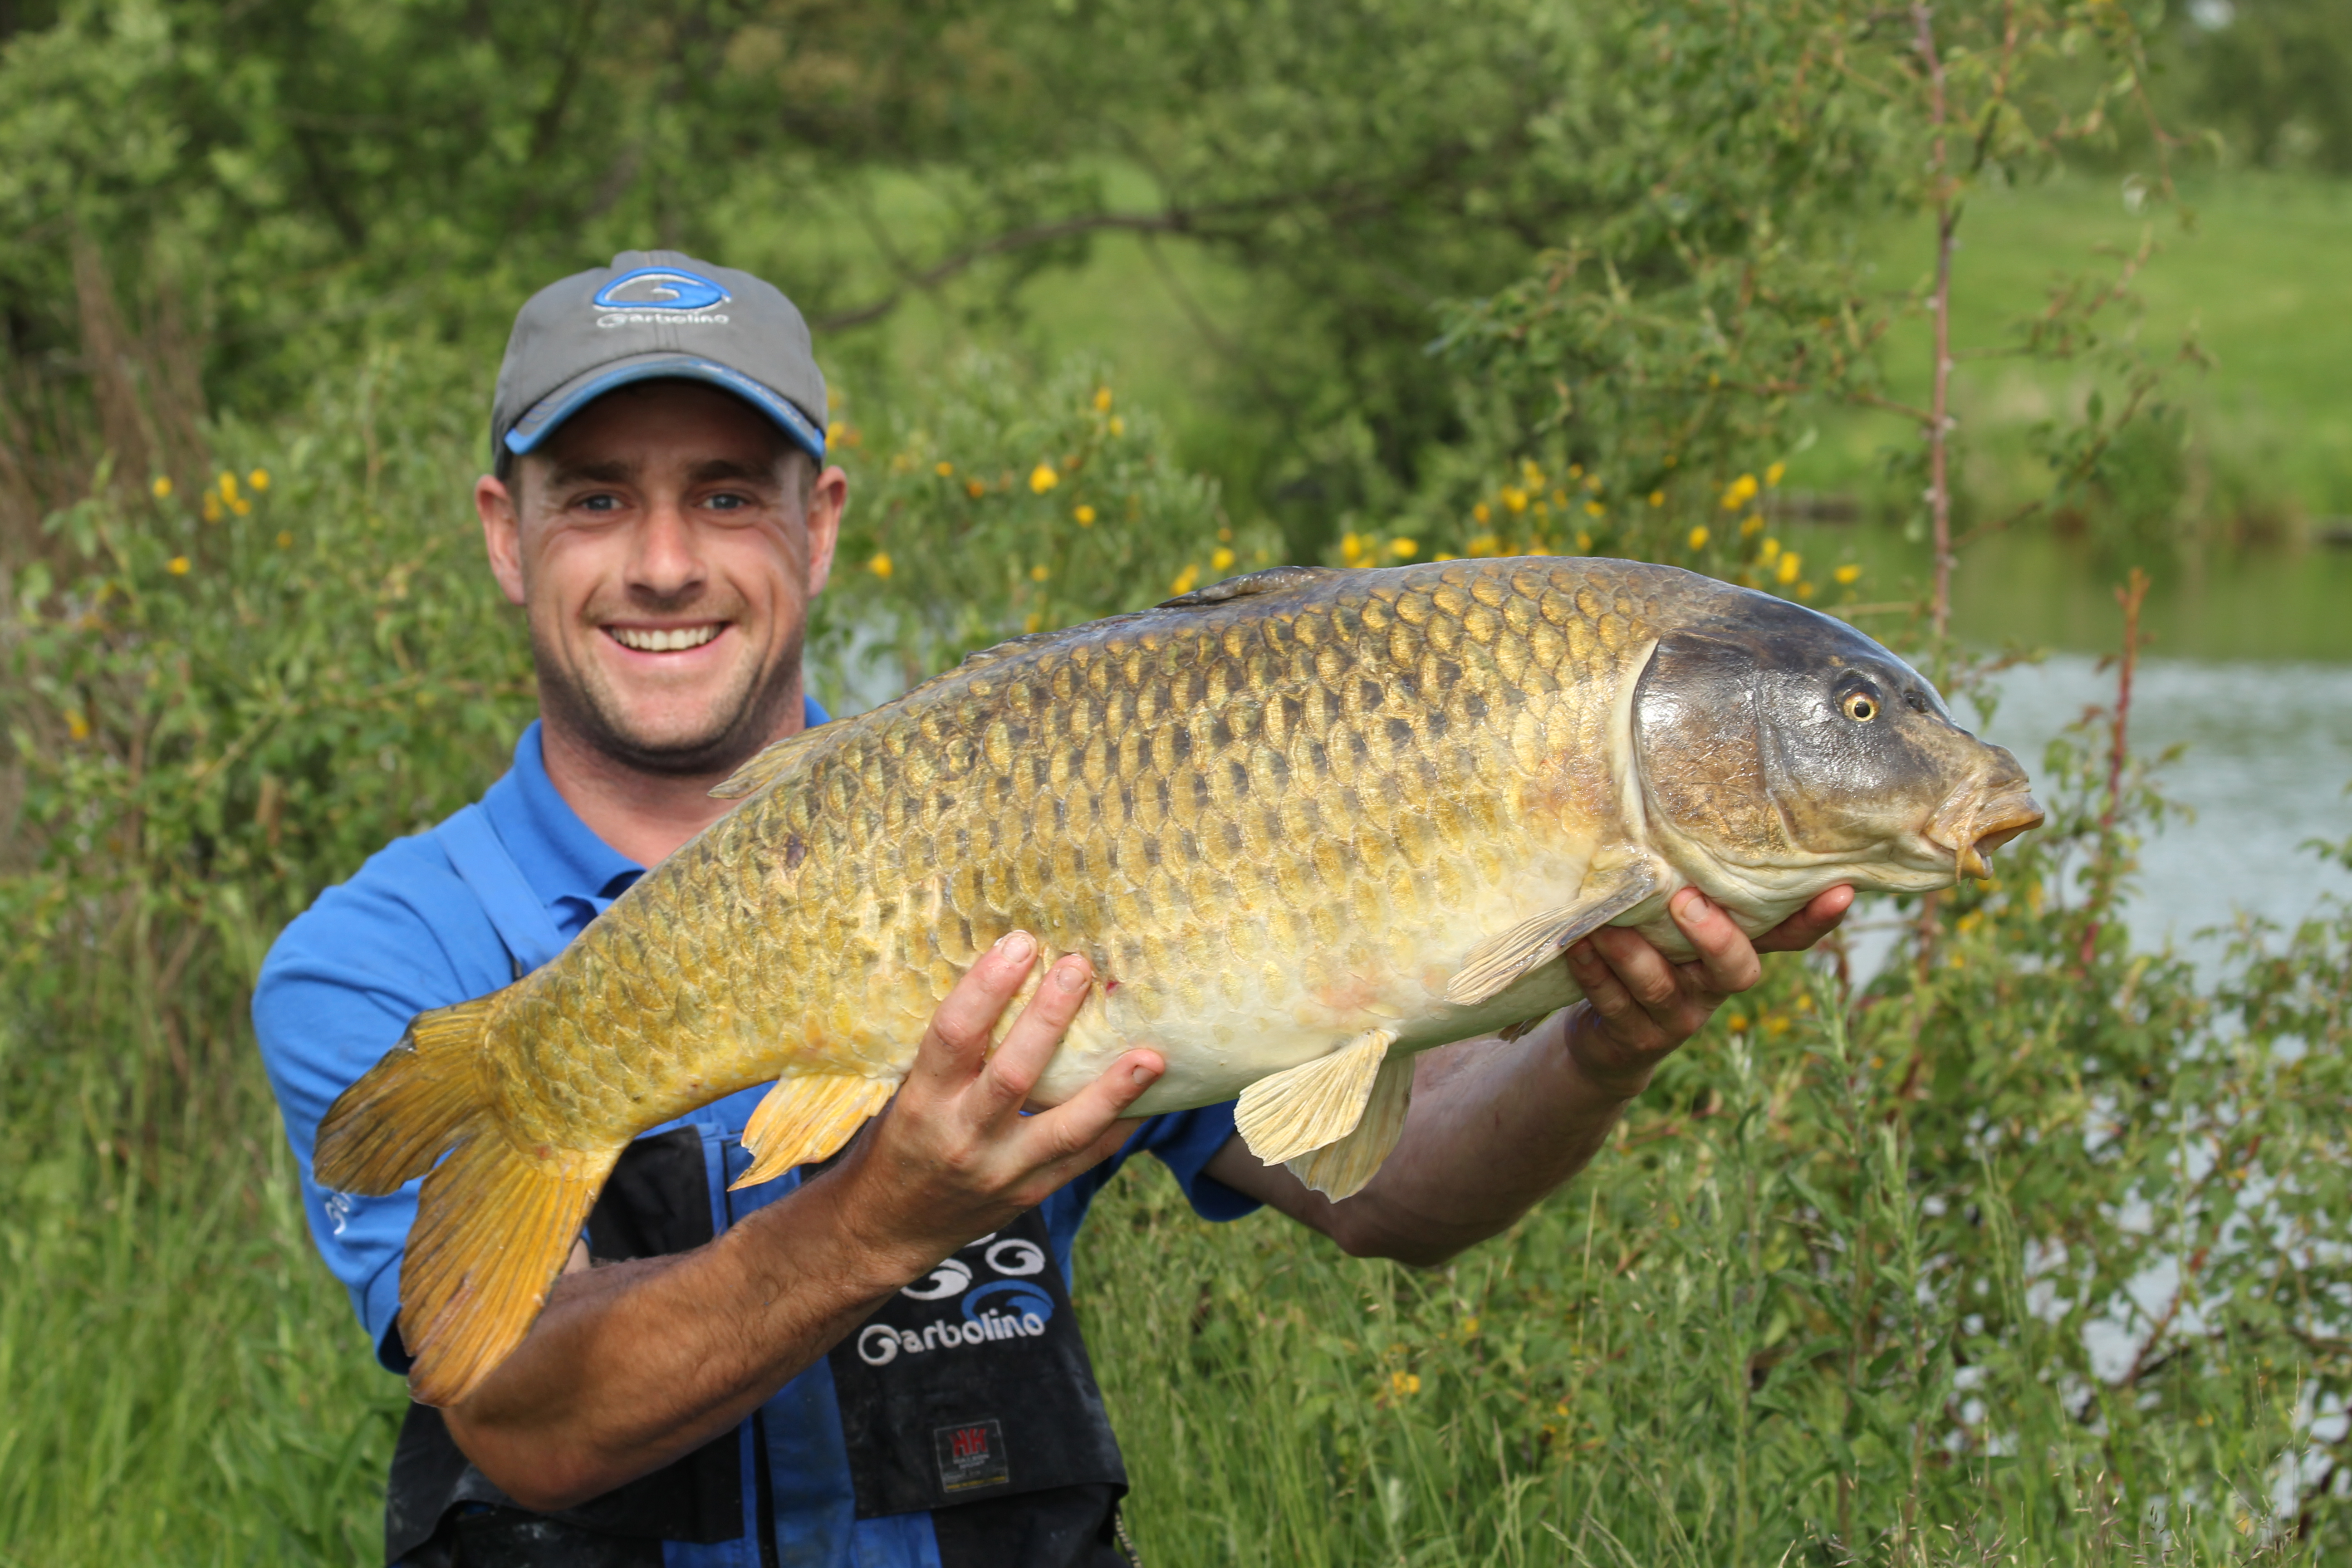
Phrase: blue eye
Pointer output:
(600, 504)
(728, 502)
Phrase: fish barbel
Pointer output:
(1304, 824)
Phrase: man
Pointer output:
(749, 1377)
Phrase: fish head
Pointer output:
(1782, 751)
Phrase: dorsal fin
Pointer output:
(765, 767)
(1273, 580)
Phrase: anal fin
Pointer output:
(806, 1118)
(1494, 963)
(1340, 1170)
(1296, 1112)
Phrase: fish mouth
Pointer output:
(1974, 822)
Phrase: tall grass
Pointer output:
(1834, 1294)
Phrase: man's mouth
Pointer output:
(666, 639)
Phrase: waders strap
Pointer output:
(474, 848)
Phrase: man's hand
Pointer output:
(953, 1157)
(1644, 1006)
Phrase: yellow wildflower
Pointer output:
(1751, 525)
(1768, 549)
(1534, 476)
(974, 488)
(1583, 543)
(1221, 559)
(1594, 509)
(1042, 478)
(212, 507)
(1698, 537)
(1576, 470)
(1739, 493)
(1514, 498)
(1402, 1384)
(1038, 573)
(76, 725)
(880, 565)
(1117, 425)
(943, 468)
(1738, 1022)
(258, 480)
(1772, 475)
(1593, 483)
(227, 486)
(1658, 498)
(1404, 549)
(1186, 580)
(1350, 547)
(1790, 562)
(285, 540)
(1481, 511)
(177, 566)
(1848, 573)
(161, 487)
(240, 506)
(1085, 516)
(1804, 589)
(1669, 460)
(1102, 399)
(1036, 619)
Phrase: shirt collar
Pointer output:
(559, 854)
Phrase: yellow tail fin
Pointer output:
(391, 1126)
(494, 1222)
(806, 1118)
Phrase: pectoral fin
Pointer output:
(1340, 1170)
(1494, 963)
(1319, 1102)
(807, 1118)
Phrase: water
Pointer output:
(2266, 753)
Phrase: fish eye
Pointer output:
(1859, 705)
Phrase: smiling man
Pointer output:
(778, 1375)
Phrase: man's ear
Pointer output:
(828, 498)
(501, 533)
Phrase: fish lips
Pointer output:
(1985, 815)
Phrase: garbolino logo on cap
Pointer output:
(656, 315)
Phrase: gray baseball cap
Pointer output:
(656, 315)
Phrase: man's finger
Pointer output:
(1641, 968)
(1725, 953)
(956, 1042)
(1036, 1035)
(1086, 1130)
(1809, 924)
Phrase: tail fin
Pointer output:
(807, 1117)
(494, 1222)
(391, 1126)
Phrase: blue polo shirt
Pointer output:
(408, 934)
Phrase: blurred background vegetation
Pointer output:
(1994, 1234)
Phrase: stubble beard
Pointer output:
(744, 720)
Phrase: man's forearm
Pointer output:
(1495, 1125)
(635, 1364)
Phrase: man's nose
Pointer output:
(667, 562)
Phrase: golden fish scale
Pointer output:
(1277, 790)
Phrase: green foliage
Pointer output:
(999, 504)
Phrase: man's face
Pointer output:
(664, 551)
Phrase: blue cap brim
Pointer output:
(553, 410)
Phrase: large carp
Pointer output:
(1304, 824)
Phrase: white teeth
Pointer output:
(665, 639)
